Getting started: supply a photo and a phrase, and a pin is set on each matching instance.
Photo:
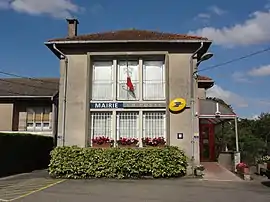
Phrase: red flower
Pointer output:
(154, 141)
(102, 139)
(127, 141)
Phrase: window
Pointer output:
(128, 125)
(153, 80)
(101, 124)
(154, 124)
(128, 80)
(38, 119)
(102, 84)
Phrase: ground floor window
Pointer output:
(38, 119)
(128, 124)
(154, 124)
(101, 124)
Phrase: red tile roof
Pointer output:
(131, 35)
(205, 78)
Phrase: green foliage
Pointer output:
(21, 153)
(74, 162)
(254, 138)
(254, 135)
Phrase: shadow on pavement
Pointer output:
(266, 183)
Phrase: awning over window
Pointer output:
(212, 109)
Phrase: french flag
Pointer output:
(130, 86)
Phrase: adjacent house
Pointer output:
(135, 84)
(29, 105)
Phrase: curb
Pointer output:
(13, 176)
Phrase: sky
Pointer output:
(237, 28)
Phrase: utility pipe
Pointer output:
(192, 104)
(63, 56)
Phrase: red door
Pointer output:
(207, 142)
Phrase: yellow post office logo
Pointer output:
(177, 105)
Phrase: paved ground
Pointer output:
(214, 171)
(180, 190)
(185, 190)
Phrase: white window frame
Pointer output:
(111, 82)
(34, 126)
(136, 114)
(136, 84)
(144, 82)
(159, 113)
(102, 113)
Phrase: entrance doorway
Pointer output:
(207, 142)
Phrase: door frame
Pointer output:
(211, 139)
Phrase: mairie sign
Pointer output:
(177, 105)
(109, 105)
(127, 105)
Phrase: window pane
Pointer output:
(101, 124)
(154, 124)
(46, 117)
(153, 80)
(128, 80)
(128, 124)
(38, 117)
(46, 126)
(102, 81)
(30, 117)
(38, 126)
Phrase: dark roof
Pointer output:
(28, 87)
(131, 35)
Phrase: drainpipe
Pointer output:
(192, 104)
(63, 56)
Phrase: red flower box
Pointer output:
(127, 142)
(242, 168)
(102, 142)
(154, 142)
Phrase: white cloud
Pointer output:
(240, 77)
(204, 15)
(254, 30)
(226, 95)
(54, 8)
(217, 10)
(245, 77)
(207, 15)
(260, 71)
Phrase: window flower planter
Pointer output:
(102, 142)
(154, 142)
(127, 142)
(104, 145)
(199, 171)
(243, 171)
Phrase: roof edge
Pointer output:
(25, 96)
(126, 41)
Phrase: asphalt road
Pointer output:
(180, 190)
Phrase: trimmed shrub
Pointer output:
(20, 153)
(74, 162)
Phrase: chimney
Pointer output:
(72, 27)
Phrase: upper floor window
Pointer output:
(128, 80)
(102, 84)
(153, 80)
(124, 79)
(38, 119)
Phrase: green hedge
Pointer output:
(20, 153)
(74, 162)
